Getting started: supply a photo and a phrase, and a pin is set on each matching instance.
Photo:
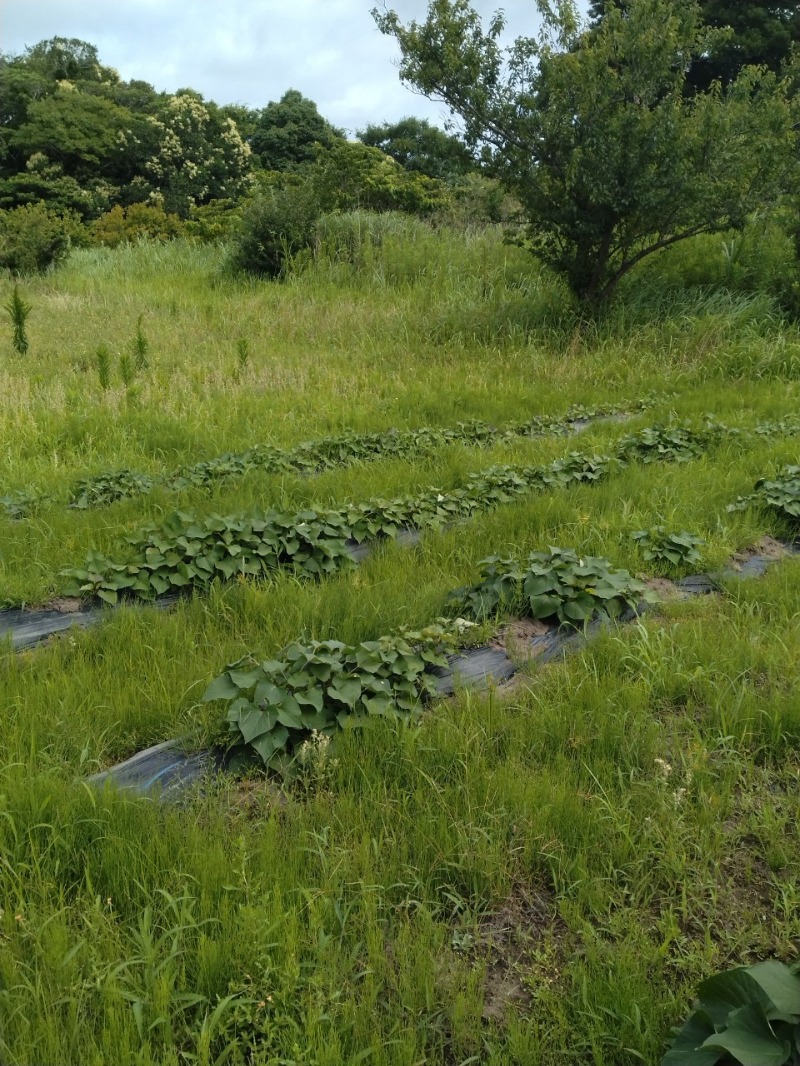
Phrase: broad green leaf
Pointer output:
(289, 713)
(687, 1048)
(750, 1040)
(724, 992)
(252, 723)
(347, 690)
(781, 986)
(221, 688)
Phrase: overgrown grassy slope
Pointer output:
(536, 875)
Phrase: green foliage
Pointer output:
(214, 221)
(327, 453)
(352, 175)
(18, 311)
(758, 33)
(749, 1015)
(671, 444)
(77, 130)
(200, 155)
(186, 551)
(275, 227)
(42, 180)
(553, 583)
(660, 545)
(32, 239)
(103, 365)
(127, 370)
(592, 133)
(781, 494)
(20, 503)
(275, 706)
(417, 145)
(133, 223)
(242, 352)
(106, 488)
(287, 131)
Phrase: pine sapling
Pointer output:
(103, 363)
(18, 311)
(243, 352)
(140, 346)
(126, 370)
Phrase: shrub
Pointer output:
(215, 221)
(274, 228)
(351, 175)
(32, 238)
(130, 224)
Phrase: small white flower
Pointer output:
(663, 767)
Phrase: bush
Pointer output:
(214, 221)
(349, 176)
(33, 239)
(274, 228)
(128, 224)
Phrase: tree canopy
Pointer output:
(286, 131)
(417, 145)
(593, 132)
(759, 33)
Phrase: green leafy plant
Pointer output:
(781, 494)
(274, 228)
(660, 545)
(749, 1015)
(18, 311)
(32, 238)
(671, 444)
(103, 364)
(556, 582)
(140, 346)
(106, 488)
(186, 551)
(21, 502)
(336, 451)
(274, 707)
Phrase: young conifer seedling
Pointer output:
(18, 311)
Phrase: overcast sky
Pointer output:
(249, 51)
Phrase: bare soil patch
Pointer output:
(663, 588)
(515, 637)
(766, 547)
(522, 938)
(63, 604)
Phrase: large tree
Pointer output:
(200, 154)
(758, 32)
(287, 131)
(593, 133)
(417, 145)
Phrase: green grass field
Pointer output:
(540, 874)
